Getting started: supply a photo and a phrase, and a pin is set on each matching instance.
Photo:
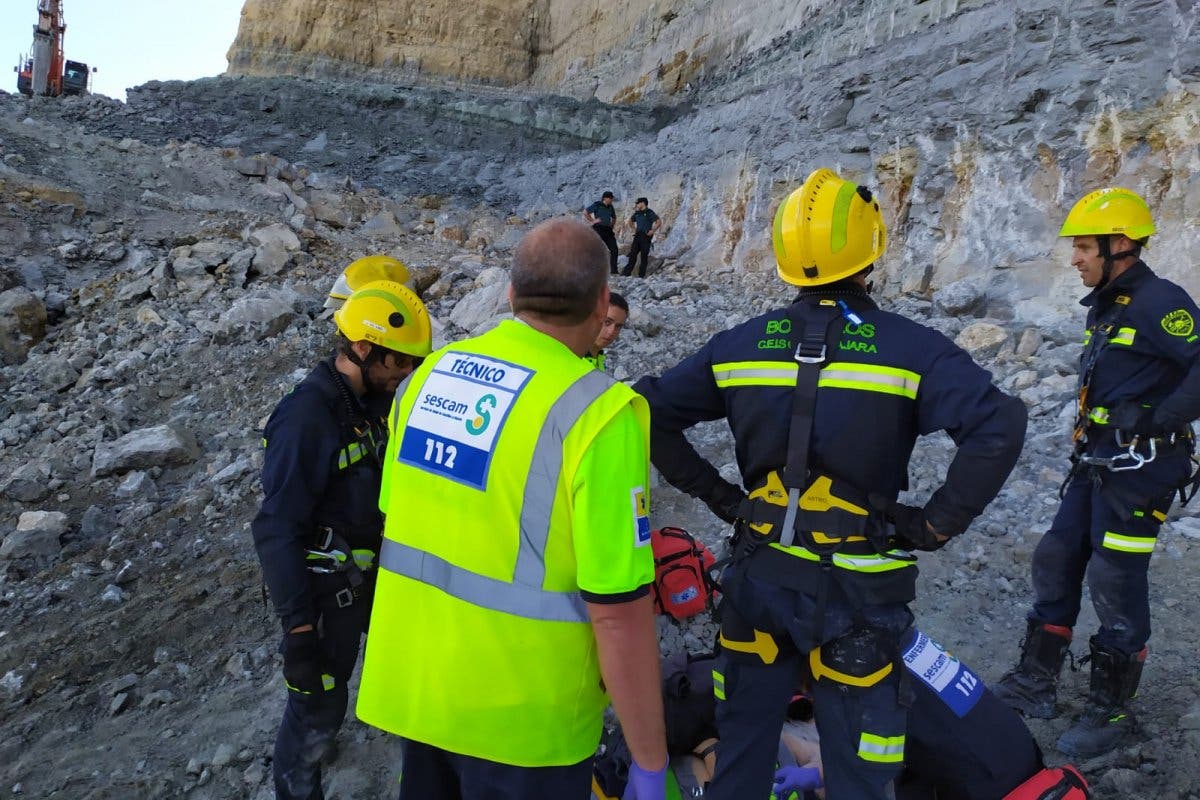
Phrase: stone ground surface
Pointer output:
(165, 287)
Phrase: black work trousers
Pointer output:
(767, 632)
(605, 232)
(640, 247)
(430, 773)
(311, 721)
(1106, 530)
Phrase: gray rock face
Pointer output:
(959, 297)
(982, 339)
(480, 307)
(22, 324)
(161, 445)
(37, 535)
(260, 316)
(28, 483)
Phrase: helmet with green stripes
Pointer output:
(387, 314)
(827, 230)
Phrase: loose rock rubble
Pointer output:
(159, 295)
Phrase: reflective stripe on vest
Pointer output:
(836, 375)
(899, 559)
(524, 595)
(754, 373)
(881, 749)
(870, 378)
(1128, 544)
(1123, 336)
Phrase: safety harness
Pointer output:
(817, 515)
(329, 552)
(1135, 451)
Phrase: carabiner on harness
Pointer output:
(1125, 461)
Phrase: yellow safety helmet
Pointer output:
(364, 270)
(826, 230)
(1110, 211)
(388, 314)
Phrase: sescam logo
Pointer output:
(1178, 323)
(479, 424)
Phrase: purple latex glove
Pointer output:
(646, 785)
(796, 779)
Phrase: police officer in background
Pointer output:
(1139, 391)
(825, 399)
(645, 224)
(513, 595)
(319, 527)
(602, 217)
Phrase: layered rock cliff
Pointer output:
(980, 120)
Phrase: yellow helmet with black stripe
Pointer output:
(387, 314)
(826, 230)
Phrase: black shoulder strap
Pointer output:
(816, 323)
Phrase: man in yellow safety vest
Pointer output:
(513, 588)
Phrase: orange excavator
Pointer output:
(45, 71)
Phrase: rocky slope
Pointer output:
(162, 266)
(980, 121)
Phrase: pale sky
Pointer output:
(130, 41)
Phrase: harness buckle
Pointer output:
(344, 598)
(804, 356)
(325, 540)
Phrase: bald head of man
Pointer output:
(560, 273)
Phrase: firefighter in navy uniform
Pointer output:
(1139, 391)
(319, 528)
(825, 399)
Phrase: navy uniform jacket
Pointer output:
(606, 214)
(320, 469)
(1149, 350)
(644, 220)
(887, 381)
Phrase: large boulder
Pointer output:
(982, 339)
(480, 307)
(22, 324)
(37, 534)
(160, 446)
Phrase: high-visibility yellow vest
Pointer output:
(480, 642)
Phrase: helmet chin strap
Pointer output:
(374, 356)
(1105, 244)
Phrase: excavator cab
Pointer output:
(24, 72)
(75, 78)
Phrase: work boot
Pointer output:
(1031, 687)
(1107, 718)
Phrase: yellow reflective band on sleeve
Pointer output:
(754, 373)
(1099, 415)
(718, 685)
(351, 454)
(1087, 336)
(881, 749)
(892, 560)
(870, 378)
(1128, 544)
(1123, 336)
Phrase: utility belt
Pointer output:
(1135, 451)
(841, 548)
(338, 568)
(831, 520)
